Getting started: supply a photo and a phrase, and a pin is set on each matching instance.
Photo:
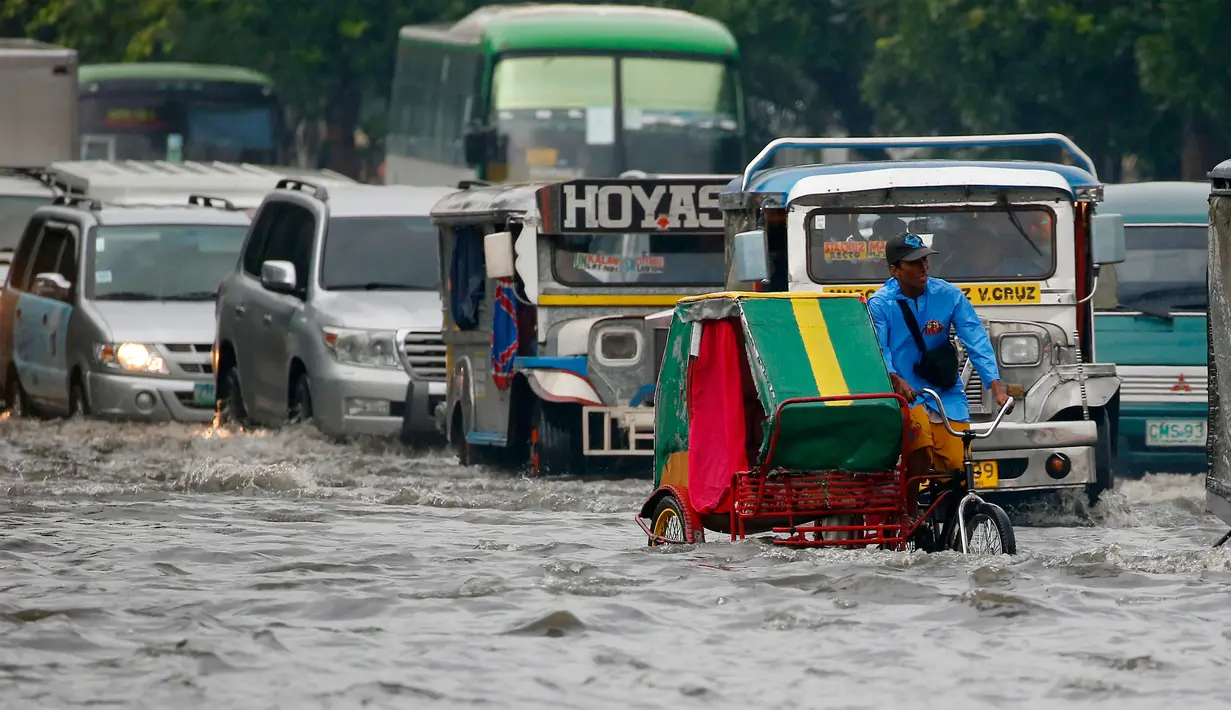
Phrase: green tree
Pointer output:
(998, 66)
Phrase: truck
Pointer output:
(38, 125)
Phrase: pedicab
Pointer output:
(774, 413)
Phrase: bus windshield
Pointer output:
(974, 243)
(1163, 269)
(239, 123)
(638, 259)
(558, 114)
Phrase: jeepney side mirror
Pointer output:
(1107, 239)
(751, 256)
(477, 144)
(498, 255)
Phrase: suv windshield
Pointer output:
(974, 243)
(638, 259)
(161, 262)
(1163, 269)
(373, 253)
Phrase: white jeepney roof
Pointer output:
(924, 176)
(156, 182)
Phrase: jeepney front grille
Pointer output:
(974, 387)
(424, 354)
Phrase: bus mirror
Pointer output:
(498, 254)
(751, 256)
(1107, 238)
(475, 144)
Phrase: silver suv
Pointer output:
(109, 310)
(332, 284)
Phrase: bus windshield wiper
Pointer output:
(192, 296)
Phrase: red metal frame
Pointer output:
(879, 499)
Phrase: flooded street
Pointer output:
(171, 566)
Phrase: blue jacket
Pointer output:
(946, 305)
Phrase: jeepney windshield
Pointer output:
(974, 244)
(1163, 269)
(638, 259)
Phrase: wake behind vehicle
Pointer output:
(1150, 319)
(109, 310)
(775, 414)
(1020, 238)
(547, 287)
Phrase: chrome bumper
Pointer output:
(1026, 447)
(627, 431)
(148, 399)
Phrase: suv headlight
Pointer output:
(1020, 350)
(131, 357)
(359, 346)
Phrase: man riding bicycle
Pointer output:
(912, 315)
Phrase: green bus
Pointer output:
(514, 93)
(173, 111)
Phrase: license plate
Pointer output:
(203, 394)
(987, 474)
(1175, 432)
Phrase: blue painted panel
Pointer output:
(40, 346)
(572, 363)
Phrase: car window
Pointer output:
(21, 258)
(290, 239)
(47, 255)
(255, 249)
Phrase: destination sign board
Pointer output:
(618, 205)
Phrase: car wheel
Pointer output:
(301, 400)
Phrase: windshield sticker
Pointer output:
(855, 250)
(615, 264)
(1006, 294)
(99, 244)
(102, 277)
(600, 125)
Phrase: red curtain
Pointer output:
(716, 427)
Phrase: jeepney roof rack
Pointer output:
(983, 141)
(210, 200)
(70, 199)
(299, 184)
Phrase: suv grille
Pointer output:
(424, 354)
(189, 347)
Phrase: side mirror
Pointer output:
(278, 276)
(498, 255)
(751, 256)
(1107, 239)
(51, 285)
(476, 144)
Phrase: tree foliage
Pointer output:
(1142, 80)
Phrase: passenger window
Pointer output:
(67, 265)
(254, 251)
(18, 277)
(290, 239)
(47, 254)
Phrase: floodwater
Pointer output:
(175, 567)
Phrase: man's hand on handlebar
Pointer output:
(1001, 394)
(900, 387)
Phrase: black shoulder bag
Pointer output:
(939, 365)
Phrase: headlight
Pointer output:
(1020, 350)
(131, 357)
(368, 348)
(619, 346)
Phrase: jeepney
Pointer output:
(1218, 352)
(545, 288)
(1150, 320)
(1020, 238)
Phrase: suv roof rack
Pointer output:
(297, 184)
(70, 199)
(467, 184)
(210, 200)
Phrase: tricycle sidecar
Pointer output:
(774, 413)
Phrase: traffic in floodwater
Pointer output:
(179, 566)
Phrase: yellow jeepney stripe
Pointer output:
(815, 333)
(608, 299)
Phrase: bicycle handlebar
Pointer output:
(969, 432)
